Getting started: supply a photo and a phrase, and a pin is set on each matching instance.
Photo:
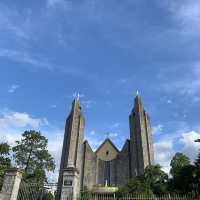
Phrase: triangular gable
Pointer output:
(107, 151)
(107, 140)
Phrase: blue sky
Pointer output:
(106, 51)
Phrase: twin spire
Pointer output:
(138, 106)
(77, 97)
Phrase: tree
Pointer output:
(157, 179)
(197, 161)
(198, 140)
(185, 180)
(186, 177)
(137, 185)
(178, 162)
(5, 162)
(31, 154)
(197, 164)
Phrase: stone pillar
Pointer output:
(70, 185)
(12, 180)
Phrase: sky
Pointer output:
(105, 51)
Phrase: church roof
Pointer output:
(107, 140)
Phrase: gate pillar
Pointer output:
(70, 185)
(11, 183)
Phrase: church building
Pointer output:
(82, 167)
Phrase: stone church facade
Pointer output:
(82, 167)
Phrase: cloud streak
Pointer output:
(13, 88)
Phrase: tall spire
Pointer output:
(75, 103)
(71, 159)
(138, 106)
(140, 134)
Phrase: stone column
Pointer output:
(12, 180)
(70, 185)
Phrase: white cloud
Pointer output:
(10, 135)
(20, 120)
(55, 142)
(157, 129)
(13, 124)
(185, 13)
(13, 88)
(180, 141)
(164, 153)
(190, 148)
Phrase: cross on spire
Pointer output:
(77, 95)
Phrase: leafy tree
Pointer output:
(186, 177)
(197, 171)
(197, 161)
(137, 185)
(48, 196)
(178, 162)
(185, 180)
(198, 140)
(5, 162)
(157, 179)
(31, 154)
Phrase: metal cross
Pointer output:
(77, 95)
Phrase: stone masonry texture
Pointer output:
(106, 165)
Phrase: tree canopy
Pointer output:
(156, 178)
(5, 161)
(31, 154)
(137, 185)
(178, 162)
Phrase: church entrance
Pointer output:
(107, 181)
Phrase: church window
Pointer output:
(107, 152)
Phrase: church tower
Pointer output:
(141, 146)
(71, 160)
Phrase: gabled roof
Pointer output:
(88, 145)
(107, 140)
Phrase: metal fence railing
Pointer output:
(191, 196)
(34, 191)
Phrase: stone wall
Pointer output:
(89, 167)
(11, 184)
(96, 171)
(123, 165)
